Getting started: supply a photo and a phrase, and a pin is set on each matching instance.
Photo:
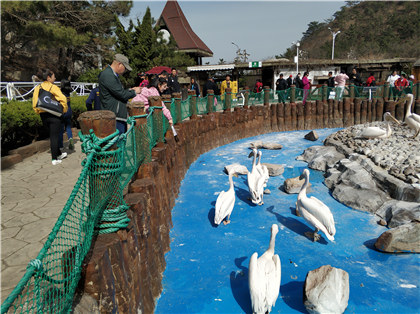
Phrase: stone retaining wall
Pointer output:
(123, 271)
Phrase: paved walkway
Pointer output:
(33, 194)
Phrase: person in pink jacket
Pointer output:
(340, 79)
(306, 86)
(157, 86)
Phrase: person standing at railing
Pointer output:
(227, 83)
(66, 118)
(93, 98)
(299, 85)
(330, 86)
(411, 84)
(50, 121)
(156, 88)
(111, 92)
(340, 79)
(258, 88)
(306, 86)
(281, 87)
(194, 87)
(210, 84)
(354, 79)
(370, 82)
(401, 84)
(173, 84)
(391, 80)
(289, 81)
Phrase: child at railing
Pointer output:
(157, 86)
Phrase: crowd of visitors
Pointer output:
(111, 95)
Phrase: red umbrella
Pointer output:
(158, 70)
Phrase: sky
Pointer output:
(263, 28)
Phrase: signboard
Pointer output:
(255, 64)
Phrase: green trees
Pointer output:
(146, 48)
(68, 36)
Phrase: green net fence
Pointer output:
(96, 204)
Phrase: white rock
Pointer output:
(326, 290)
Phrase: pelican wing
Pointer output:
(253, 184)
(256, 281)
(273, 281)
(319, 215)
(224, 205)
(372, 132)
(415, 117)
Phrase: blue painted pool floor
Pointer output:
(207, 265)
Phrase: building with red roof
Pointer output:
(173, 20)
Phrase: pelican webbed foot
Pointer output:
(314, 236)
(225, 222)
(317, 236)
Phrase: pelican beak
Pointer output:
(251, 154)
(394, 120)
(301, 177)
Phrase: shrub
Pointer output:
(78, 106)
(20, 125)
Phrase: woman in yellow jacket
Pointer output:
(51, 122)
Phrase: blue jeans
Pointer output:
(121, 126)
(66, 125)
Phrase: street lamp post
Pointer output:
(333, 43)
(238, 52)
(297, 56)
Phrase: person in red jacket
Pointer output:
(401, 83)
(371, 80)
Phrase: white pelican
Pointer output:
(376, 132)
(412, 119)
(225, 201)
(264, 277)
(262, 169)
(315, 212)
(255, 181)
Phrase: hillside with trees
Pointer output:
(368, 30)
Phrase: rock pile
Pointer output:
(399, 154)
(381, 176)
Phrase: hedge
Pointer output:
(20, 125)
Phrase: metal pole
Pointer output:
(297, 57)
(333, 43)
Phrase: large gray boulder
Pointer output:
(353, 186)
(402, 239)
(321, 157)
(240, 169)
(293, 185)
(274, 170)
(397, 213)
(311, 136)
(326, 290)
(260, 144)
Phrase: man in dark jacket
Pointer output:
(299, 85)
(281, 86)
(93, 98)
(173, 82)
(289, 81)
(112, 95)
(210, 84)
(331, 85)
(354, 78)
